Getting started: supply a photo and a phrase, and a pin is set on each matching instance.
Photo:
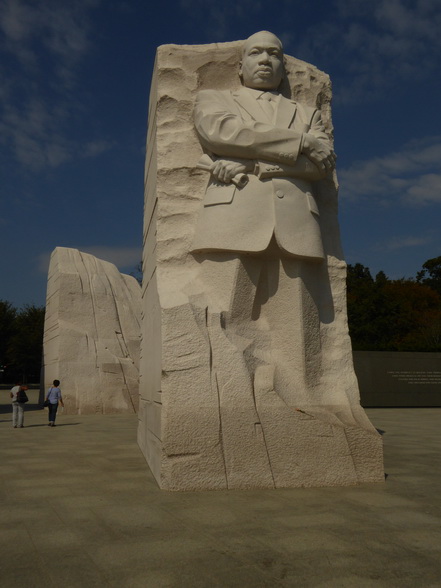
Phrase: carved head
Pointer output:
(262, 61)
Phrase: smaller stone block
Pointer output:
(92, 334)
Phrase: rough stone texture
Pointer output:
(92, 334)
(206, 419)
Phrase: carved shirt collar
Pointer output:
(256, 94)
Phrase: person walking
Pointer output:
(54, 398)
(17, 407)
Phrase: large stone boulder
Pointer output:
(92, 334)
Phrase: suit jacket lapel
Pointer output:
(250, 105)
(285, 112)
(286, 109)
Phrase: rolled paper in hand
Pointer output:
(206, 163)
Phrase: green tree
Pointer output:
(417, 326)
(7, 329)
(392, 315)
(430, 275)
(26, 345)
(371, 312)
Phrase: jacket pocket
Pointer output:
(312, 204)
(219, 193)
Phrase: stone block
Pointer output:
(257, 395)
(92, 334)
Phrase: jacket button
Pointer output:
(280, 194)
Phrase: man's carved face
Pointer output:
(262, 62)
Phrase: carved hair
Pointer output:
(245, 43)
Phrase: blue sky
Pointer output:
(75, 78)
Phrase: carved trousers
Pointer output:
(270, 309)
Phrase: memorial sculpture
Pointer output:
(92, 334)
(246, 369)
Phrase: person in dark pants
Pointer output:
(54, 397)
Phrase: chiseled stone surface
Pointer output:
(213, 411)
(92, 334)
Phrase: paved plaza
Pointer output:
(79, 507)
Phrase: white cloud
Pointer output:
(34, 29)
(33, 134)
(379, 42)
(404, 242)
(95, 148)
(16, 19)
(45, 41)
(412, 175)
(426, 190)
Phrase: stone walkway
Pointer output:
(79, 507)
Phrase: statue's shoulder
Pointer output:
(207, 100)
(210, 94)
(307, 113)
(307, 110)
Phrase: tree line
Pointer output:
(395, 315)
(21, 343)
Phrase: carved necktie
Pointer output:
(266, 101)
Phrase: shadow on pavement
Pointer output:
(57, 425)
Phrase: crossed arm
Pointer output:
(260, 148)
(224, 170)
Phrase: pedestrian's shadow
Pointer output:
(57, 425)
(39, 425)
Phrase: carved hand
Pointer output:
(319, 153)
(224, 170)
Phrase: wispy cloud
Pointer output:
(378, 42)
(95, 148)
(412, 175)
(33, 133)
(36, 30)
(45, 41)
(397, 243)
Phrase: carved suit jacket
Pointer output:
(278, 199)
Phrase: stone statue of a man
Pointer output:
(270, 221)
(282, 147)
(246, 371)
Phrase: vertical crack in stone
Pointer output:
(91, 290)
(221, 440)
(351, 453)
(122, 344)
(215, 382)
(209, 342)
(264, 442)
(95, 351)
(114, 300)
(127, 387)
